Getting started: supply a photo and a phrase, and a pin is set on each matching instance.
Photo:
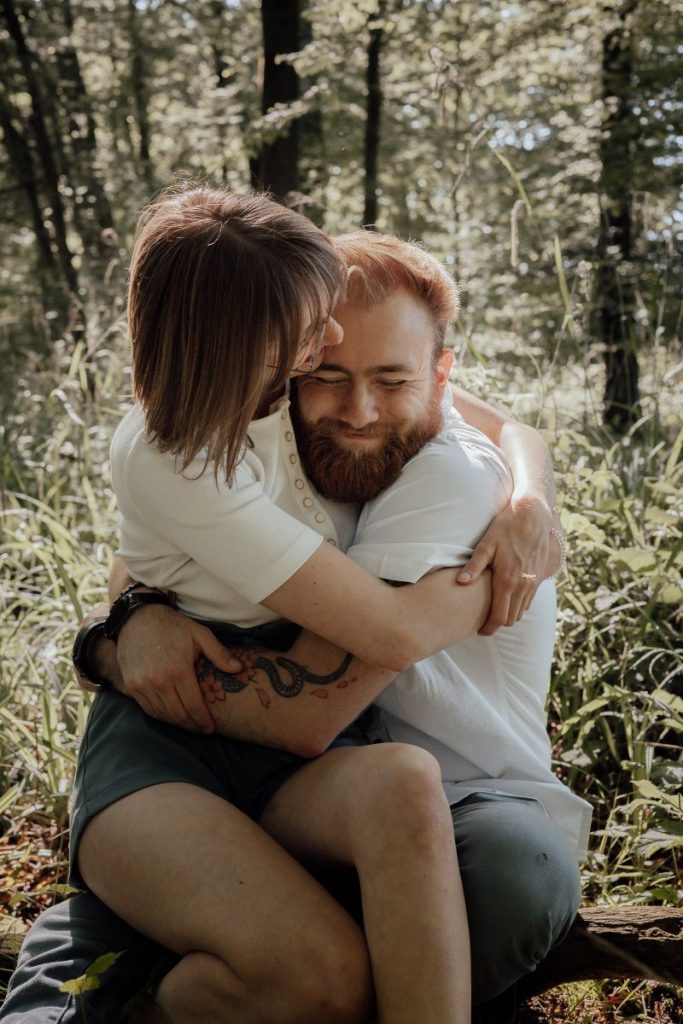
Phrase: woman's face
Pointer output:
(313, 347)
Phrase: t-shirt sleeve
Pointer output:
(236, 533)
(434, 514)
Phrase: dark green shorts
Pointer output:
(124, 750)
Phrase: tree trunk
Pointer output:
(373, 116)
(312, 157)
(44, 146)
(91, 207)
(220, 68)
(26, 176)
(139, 88)
(615, 287)
(278, 161)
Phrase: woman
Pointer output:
(228, 296)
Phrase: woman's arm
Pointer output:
(525, 537)
(382, 625)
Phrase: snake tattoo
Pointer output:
(215, 682)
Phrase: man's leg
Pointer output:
(61, 944)
(522, 889)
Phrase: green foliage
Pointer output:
(619, 669)
(58, 536)
(90, 979)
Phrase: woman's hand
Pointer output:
(157, 649)
(522, 550)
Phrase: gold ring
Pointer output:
(528, 575)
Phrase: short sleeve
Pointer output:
(235, 533)
(435, 512)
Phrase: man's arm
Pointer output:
(523, 543)
(152, 673)
(297, 700)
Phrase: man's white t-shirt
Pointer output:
(478, 706)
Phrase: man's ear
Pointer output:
(444, 367)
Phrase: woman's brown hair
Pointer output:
(222, 286)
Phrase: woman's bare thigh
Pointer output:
(192, 872)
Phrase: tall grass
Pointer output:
(616, 702)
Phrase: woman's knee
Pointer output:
(323, 982)
(401, 781)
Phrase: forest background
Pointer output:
(536, 148)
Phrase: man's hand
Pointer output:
(522, 551)
(157, 649)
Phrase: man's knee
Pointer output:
(522, 888)
(59, 947)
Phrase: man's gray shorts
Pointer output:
(521, 887)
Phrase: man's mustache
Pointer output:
(332, 427)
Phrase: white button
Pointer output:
(319, 517)
(308, 503)
(292, 458)
(283, 414)
(288, 435)
(299, 484)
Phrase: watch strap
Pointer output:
(127, 602)
(80, 652)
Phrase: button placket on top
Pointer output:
(313, 510)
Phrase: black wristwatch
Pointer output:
(126, 603)
(80, 653)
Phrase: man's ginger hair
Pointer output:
(378, 265)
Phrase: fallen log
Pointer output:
(614, 942)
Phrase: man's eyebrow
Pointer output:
(384, 368)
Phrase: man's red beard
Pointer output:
(350, 473)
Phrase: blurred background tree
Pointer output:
(534, 146)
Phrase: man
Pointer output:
(353, 416)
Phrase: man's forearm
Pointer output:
(530, 463)
(277, 699)
(280, 701)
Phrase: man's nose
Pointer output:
(359, 408)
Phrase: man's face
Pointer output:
(373, 402)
